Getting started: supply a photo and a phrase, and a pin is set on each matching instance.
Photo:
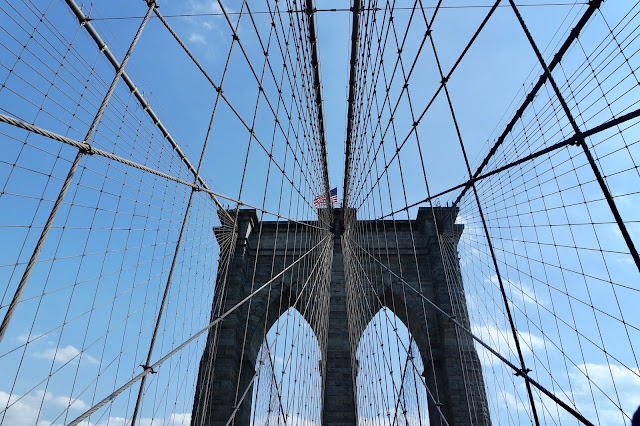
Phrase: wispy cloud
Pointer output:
(205, 6)
(28, 409)
(203, 26)
(610, 386)
(197, 38)
(595, 397)
(501, 340)
(173, 419)
(519, 292)
(40, 407)
(28, 338)
(64, 354)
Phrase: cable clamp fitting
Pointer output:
(86, 149)
(147, 367)
(522, 372)
(577, 139)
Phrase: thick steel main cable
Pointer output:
(573, 140)
(54, 211)
(523, 190)
(315, 63)
(219, 90)
(159, 315)
(594, 5)
(85, 147)
(581, 140)
(102, 46)
(101, 153)
(519, 160)
(404, 89)
(248, 387)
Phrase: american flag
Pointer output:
(319, 201)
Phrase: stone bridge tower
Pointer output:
(452, 369)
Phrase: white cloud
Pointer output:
(64, 354)
(66, 401)
(173, 419)
(23, 412)
(519, 292)
(501, 340)
(202, 25)
(586, 398)
(509, 402)
(28, 338)
(616, 229)
(26, 409)
(472, 230)
(277, 360)
(617, 386)
(205, 6)
(197, 38)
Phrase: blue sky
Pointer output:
(143, 213)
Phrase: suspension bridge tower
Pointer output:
(131, 295)
(452, 371)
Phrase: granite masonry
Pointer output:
(422, 253)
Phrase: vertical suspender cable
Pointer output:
(70, 174)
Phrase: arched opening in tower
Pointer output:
(390, 383)
(288, 385)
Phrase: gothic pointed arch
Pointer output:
(288, 373)
(390, 379)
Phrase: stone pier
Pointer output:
(452, 369)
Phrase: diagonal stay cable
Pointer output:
(220, 93)
(85, 22)
(573, 140)
(557, 58)
(150, 368)
(434, 398)
(429, 104)
(160, 313)
(582, 142)
(96, 151)
(70, 174)
(295, 302)
(275, 381)
(517, 370)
